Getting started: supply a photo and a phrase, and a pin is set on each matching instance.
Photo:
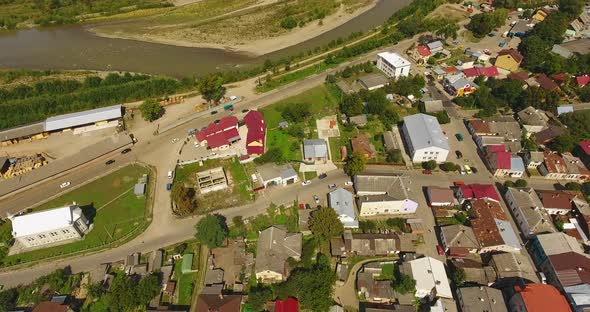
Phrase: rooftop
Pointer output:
(490, 225)
(83, 118)
(513, 53)
(275, 246)
(513, 264)
(342, 202)
(482, 299)
(430, 273)
(459, 235)
(533, 117)
(380, 184)
(45, 221)
(557, 243)
(558, 199)
(548, 134)
(571, 268)
(424, 131)
(315, 148)
(480, 191)
(373, 80)
(531, 207)
(542, 297)
(394, 59)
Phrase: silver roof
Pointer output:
(315, 148)
(342, 202)
(424, 131)
(83, 118)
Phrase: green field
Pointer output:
(115, 212)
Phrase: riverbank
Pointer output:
(213, 35)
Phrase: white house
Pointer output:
(382, 194)
(431, 278)
(425, 138)
(393, 65)
(50, 226)
(342, 202)
(273, 175)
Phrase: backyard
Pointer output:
(237, 175)
(188, 283)
(109, 203)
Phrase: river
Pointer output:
(73, 47)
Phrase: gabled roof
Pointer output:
(542, 297)
(533, 117)
(582, 80)
(430, 273)
(83, 118)
(571, 268)
(558, 199)
(254, 121)
(289, 305)
(435, 45)
(463, 83)
(380, 184)
(531, 208)
(45, 221)
(459, 235)
(440, 194)
(554, 163)
(211, 299)
(424, 131)
(557, 243)
(522, 76)
(275, 246)
(423, 50)
(342, 202)
(482, 298)
(48, 306)
(546, 82)
(548, 134)
(502, 160)
(491, 226)
(223, 138)
(491, 71)
(479, 191)
(315, 148)
(513, 53)
(214, 128)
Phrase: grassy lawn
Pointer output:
(279, 139)
(186, 282)
(241, 180)
(111, 206)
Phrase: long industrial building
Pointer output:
(96, 118)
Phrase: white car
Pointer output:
(65, 184)
(348, 183)
(462, 171)
(175, 140)
(304, 183)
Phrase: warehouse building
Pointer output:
(94, 119)
(425, 138)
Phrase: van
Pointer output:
(170, 174)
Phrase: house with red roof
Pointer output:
(219, 135)
(583, 151)
(502, 163)
(420, 54)
(563, 167)
(582, 80)
(256, 137)
(473, 72)
(491, 227)
(289, 305)
(537, 298)
(477, 191)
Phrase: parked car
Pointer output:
(332, 186)
(441, 251)
(245, 110)
(491, 35)
(301, 206)
(110, 162)
(168, 186)
(304, 183)
(125, 151)
(170, 174)
(474, 169)
(65, 184)
(427, 171)
(487, 51)
(323, 176)
(348, 183)
(459, 137)
(462, 171)
(213, 112)
(307, 206)
(316, 199)
(459, 154)
(467, 169)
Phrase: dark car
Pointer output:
(322, 176)
(213, 112)
(125, 151)
(217, 121)
(245, 110)
(474, 169)
(332, 186)
(110, 161)
(459, 154)
(307, 206)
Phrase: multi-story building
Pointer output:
(425, 138)
(50, 226)
(393, 65)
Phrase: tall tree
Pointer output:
(355, 164)
(325, 223)
(211, 87)
(212, 230)
(151, 110)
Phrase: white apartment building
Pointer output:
(393, 65)
(425, 138)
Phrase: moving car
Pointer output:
(316, 199)
(213, 112)
(109, 162)
(322, 176)
(65, 184)
(304, 183)
(125, 151)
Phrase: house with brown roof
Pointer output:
(570, 273)
(558, 202)
(509, 59)
(361, 144)
(371, 286)
(52, 306)
(546, 83)
(563, 167)
(371, 244)
(458, 240)
(212, 298)
(528, 211)
(479, 127)
(548, 134)
(475, 271)
(440, 196)
(492, 227)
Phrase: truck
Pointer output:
(228, 107)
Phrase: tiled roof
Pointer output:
(223, 138)
(546, 82)
(585, 146)
(256, 132)
(513, 53)
(558, 199)
(491, 71)
(213, 128)
(571, 268)
(423, 50)
(440, 194)
(480, 126)
(485, 225)
(582, 80)
(554, 162)
(542, 297)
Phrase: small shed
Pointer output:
(283, 124)
(187, 263)
(139, 189)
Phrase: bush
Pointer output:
(429, 165)
(521, 183)
(394, 156)
(573, 186)
(448, 166)
(289, 22)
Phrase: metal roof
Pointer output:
(83, 118)
(315, 148)
(424, 131)
(430, 273)
(342, 202)
(45, 221)
(22, 131)
(394, 59)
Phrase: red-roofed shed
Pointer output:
(289, 305)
